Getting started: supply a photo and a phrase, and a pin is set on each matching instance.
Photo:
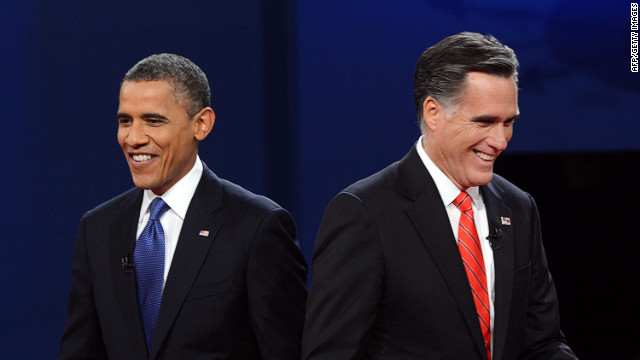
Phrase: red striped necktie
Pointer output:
(473, 261)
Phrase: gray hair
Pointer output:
(442, 68)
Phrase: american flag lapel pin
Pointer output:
(505, 220)
(204, 233)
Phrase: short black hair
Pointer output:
(189, 82)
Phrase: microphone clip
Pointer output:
(126, 264)
(495, 235)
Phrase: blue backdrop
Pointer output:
(309, 96)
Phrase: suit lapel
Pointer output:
(192, 249)
(121, 243)
(428, 215)
(503, 264)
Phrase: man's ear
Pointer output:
(432, 112)
(204, 121)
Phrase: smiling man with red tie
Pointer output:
(435, 257)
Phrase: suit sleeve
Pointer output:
(347, 282)
(276, 277)
(82, 337)
(543, 339)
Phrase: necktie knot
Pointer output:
(463, 201)
(157, 208)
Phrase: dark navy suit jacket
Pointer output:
(237, 292)
(388, 281)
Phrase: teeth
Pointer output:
(484, 156)
(141, 157)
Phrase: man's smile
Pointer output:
(484, 156)
(139, 158)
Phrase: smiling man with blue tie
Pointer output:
(185, 265)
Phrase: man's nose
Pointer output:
(500, 136)
(137, 135)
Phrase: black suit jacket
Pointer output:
(388, 280)
(236, 293)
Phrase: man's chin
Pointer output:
(483, 179)
(144, 184)
(487, 178)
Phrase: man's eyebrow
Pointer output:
(145, 115)
(154, 116)
(489, 118)
(484, 118)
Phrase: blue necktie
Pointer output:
(148, 258)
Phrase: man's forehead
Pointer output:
(480, 83)
(146, 84)
(475, 76)
(138, 91)
(484, 94)
(166, 86)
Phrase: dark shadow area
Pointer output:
(590, 232)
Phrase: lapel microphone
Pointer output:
(127, 263)
(495, 235)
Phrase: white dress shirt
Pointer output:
(448, 192)
(178, 197)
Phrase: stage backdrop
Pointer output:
(311, 96)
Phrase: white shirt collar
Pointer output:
(447, 189)
(178, 197)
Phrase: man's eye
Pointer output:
(124, 122)
(155, 121)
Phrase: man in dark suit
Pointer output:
(435, 257)
(230, 282)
